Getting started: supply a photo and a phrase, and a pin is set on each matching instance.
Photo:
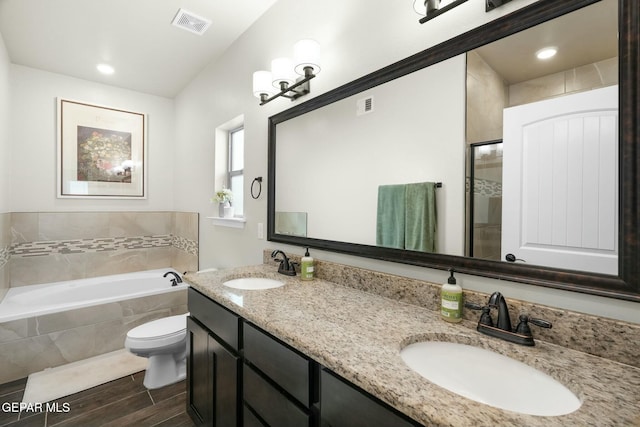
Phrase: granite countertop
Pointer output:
(359, 335)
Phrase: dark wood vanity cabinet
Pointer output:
(279, 383)
(344, 405)
(213, 365)
(240, 375)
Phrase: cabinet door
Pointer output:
(343, 405)
(212, 380)
(226, 378)
(199, 381)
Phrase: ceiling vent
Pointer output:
(191, 22)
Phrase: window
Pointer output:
(229, 161)
(235, 171)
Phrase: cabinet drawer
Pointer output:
(223, 323)
(343, 405)
(272, 406)
(283, 365)
(249, 419)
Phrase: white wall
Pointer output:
(414, 133)
(33, 141)
(357, 38)
(5, 158)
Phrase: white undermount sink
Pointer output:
(490, 378)
(253, 283)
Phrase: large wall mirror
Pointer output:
(505, 166)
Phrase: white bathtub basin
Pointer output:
(253, 283)
(490, 378)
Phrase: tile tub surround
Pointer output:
(359, 336)
(603, 337)
(54, 246)
(33, 344)
(5, 247)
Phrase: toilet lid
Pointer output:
(160, 328)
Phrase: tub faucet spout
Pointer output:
(176, 278)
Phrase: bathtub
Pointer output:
(48, 325)
(37, 300)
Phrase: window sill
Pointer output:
(228, 222)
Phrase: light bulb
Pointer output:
(262, 83)
(282, 71)
(307, 54)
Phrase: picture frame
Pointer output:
(101, 151)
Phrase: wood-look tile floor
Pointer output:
(120, 403)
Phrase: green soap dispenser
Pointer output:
(451, 300)
(306, 266)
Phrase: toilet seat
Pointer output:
(158, 333)
(159, 328)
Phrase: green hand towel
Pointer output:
(390, 226)
(420, 219)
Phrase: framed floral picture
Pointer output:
(101, 151)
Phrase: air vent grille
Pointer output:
(191, 22)
(364, 105)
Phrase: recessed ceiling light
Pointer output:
(546, 53)
(105, 68)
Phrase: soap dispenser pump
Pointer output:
(306, 266)
(451, 300)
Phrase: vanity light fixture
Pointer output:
(492, 4)
(105, 68)
(546, 53)
(429, 9)
(290, 79)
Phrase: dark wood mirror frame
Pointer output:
(626, 285)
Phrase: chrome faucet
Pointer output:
(176, 278)
(503, 321)
(286, 267)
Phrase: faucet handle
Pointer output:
(485, 318)
(473, 306)
(523, 326)
(541, 322)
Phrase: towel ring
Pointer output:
(259, 181)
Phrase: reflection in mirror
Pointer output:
(560, 161)
(485, 210)
(291, 223)
(344, 152)
(341, 168)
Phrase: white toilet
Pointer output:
(164, 342)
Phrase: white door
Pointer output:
(560, 182)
